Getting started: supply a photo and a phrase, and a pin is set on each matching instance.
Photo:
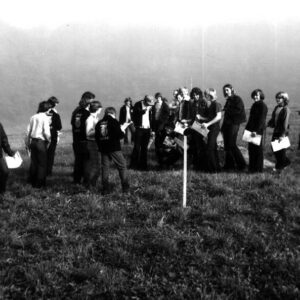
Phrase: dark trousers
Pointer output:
(38, 164)
(158, 143)
(91, 164)
(140, 150)
(3, 175)
(233, 156)
(281, 159)
(130, 129)
(118, 158)
(212, 155)
(256, 158)
(50, 156)
(198, 149)
(81, 155)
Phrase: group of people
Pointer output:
(96, 141)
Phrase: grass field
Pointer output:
(239, 238)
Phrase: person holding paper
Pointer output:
(125, 117)
(214, 116)
(280, 122)
(4, 145)
(234, 115)
(256, 125)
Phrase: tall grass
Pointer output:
(238, 239)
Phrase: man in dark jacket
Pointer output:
(125, 116)
(234, 115)
(79, 116)
(55, 127)
(160, 117)
(4, 145)
(142, 118)
(108, 134)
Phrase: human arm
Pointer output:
(4, 142)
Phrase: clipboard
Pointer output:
(283, 144)
(256, 140)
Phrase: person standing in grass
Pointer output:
(256, 125)
(92, 162)
(126, 117)
(38, 139)
(55, 127)
(234, 115)
(142, 118)
(280, 122)
(4, 145)
(160, 116)
(214, 116)
(79, 116)
(108, 134)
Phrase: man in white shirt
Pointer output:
(142, 118)
(38, 139)
(92, 160)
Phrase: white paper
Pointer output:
(15, 161)
(256, 140)
(180, 128)
(200, 129)
(125, 125)
(283, 144)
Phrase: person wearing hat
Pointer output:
(4, 145)
(55, 127)
(142, 119)
(92, 160)
(125, 116)
(79, 116)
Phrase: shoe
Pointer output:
(125, 188)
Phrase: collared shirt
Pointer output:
(146, 117)
(39, 127)
(90, 125)
(128, 117)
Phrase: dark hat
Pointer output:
(149, 100)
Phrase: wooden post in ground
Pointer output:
(184, 170)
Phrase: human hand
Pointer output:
(253, 134)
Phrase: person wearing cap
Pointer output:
(4, 145)
(214, 116)
(108, 133)
(234, 116)
(79, 116)
(38, 139)
(92, 160)
(160, 116)
(125, 116)
(55, 127)
(142, 119)
(280, 122)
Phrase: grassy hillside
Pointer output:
(238, 239)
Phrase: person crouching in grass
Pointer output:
(38, 139)
(108, 134)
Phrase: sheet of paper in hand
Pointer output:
(15, 161)
(283, 144)
(200, 129)
(256, 140)
(180, 128)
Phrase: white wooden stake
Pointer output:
(184, 169)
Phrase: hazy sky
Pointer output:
(121, 48)
(169, 13)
